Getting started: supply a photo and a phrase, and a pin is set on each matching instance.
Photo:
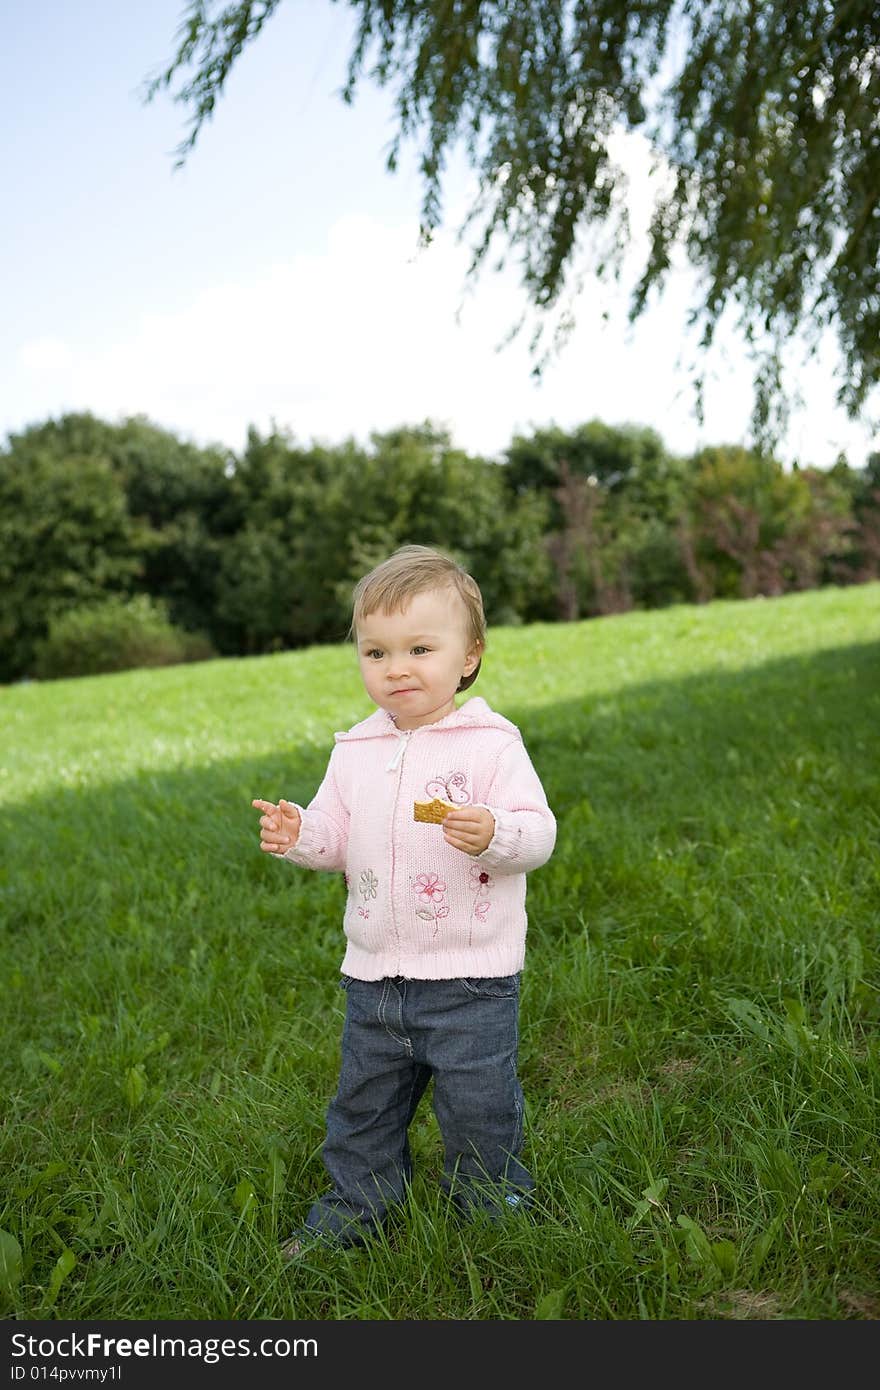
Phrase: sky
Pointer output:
(276, 280)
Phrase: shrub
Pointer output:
(116, 634)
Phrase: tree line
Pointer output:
(257, 552)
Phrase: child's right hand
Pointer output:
(279, 826)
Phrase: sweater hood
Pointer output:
(473, 714)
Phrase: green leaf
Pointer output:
(783, 1171)
(155, 1236)
(825, 1176)
(549, 1308)
(652, 1197)
(245, 1200)
(135, 1085)
(63, 1266)
(51, 1170)
(116, 1201)
(158, 1044)
(749, 1017)
(656, 1191)
(10, 1263)
(696, 1243)
(764, 1244)
(725, 1256)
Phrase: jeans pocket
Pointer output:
(491, 986)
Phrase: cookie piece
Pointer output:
(432, 811)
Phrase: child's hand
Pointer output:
(469, 829)
(279, 826)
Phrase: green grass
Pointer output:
(700, 1000)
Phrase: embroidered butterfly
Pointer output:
(453, 787)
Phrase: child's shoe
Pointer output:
(305, 1241)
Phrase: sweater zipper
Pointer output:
(396, 765)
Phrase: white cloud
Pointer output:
(366, 336)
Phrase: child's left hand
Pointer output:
(469, 829)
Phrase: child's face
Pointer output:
(412, 661)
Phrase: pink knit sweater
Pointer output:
(416, 906)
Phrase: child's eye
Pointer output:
(375, 653)
(420, 651)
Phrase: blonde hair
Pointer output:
(411, 570)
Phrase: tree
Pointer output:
(619, 457)
(765, 117)
(66, 539)
(758, 529)
(864, 488)
(176, 495)
(278, 573)
(614, 495)
(314, 520)
(419, 488)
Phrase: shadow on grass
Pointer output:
(666, 764)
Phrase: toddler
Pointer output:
(435, 920)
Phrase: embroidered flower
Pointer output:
(430, 886)
(432, 889)
(481, 882)
(368, 885)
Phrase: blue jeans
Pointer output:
(398, 1035)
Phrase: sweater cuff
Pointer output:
(308, 849)
(505, 849)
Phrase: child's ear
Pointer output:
(471, 667)
(473, 658)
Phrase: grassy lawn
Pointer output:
(700, 1001)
